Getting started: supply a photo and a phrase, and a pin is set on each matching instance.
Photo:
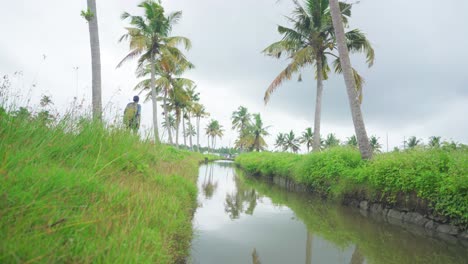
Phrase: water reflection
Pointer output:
(242, 219)
(209, 185)
(243, 200)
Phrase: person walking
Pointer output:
(132, 114)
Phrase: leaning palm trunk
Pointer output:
(154, 101)
(359, 127)
(95, 61)
(166, 115)
(318, 104)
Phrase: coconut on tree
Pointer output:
(310, 41)
(149, 36)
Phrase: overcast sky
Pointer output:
(418, 85)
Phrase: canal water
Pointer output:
(243, 220)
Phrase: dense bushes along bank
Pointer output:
(437, 177)
(84, 193)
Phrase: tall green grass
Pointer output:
(439, 176)
(88, 193)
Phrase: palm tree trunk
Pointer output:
(183, 130)
(95, 61)
(190, 136)
(177, 129)
(166, 114)
(318, 103)
(359, 127)
(208, 143)
(154, 101)
(198, 133)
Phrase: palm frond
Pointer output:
(177, 40)
(277, 49)
(357, 42)
(134, 53)
(358, 79)
(301, 58)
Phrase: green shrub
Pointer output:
(439, 176)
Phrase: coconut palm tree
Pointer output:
(194, 97)
(352, 141)
(241, 119)
(311, 41)
(434, 142)
(91, 16)
(169, 124)
(350, 77)
(199, 112)
(178, 101)
(252, 137)
(412, 142)
(291, 142)
(331, 141)
(307, 138)
(190, 132)
(168, 68)
(214, 130)
(148, 36)
(280, 142)
(375, 145)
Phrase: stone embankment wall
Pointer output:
(408, 211)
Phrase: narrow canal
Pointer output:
(243, 220)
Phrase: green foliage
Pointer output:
(88, 15)
(86, 193)
(439, 176)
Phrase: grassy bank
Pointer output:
(85, 193)
(437, 176)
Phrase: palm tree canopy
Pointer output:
(214, 129)
(311, 37)
(352, 141)
(291, 142)
(331, 141)
(149, 34)
(307, 137)
(240, 118)
(375, 145)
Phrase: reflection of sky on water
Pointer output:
(273, 230)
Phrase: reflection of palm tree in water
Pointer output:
(357, 257)
(208, 186)
(309, 248)
(255, 257)
(236, 203)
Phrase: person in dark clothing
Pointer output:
(132, 114)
